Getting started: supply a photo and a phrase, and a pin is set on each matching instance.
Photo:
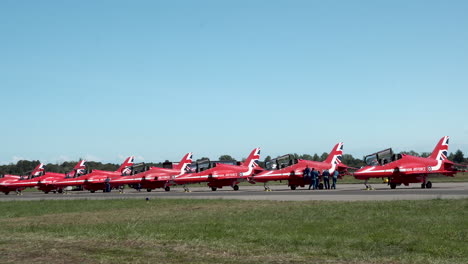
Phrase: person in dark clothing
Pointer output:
(326, 179)
(317, 182)
(313, 180)
(306, 174)
(108, 187)
(335, 178)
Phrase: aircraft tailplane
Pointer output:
(441, 149)
(335, 154)
(184, 164)
(38, 170)
(79, 168)
(252, 159)
(125, 168)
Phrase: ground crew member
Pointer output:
(306, 173)
(326, 179)
(317, 182)
(313, 175)
(107, 181)
(335, 177)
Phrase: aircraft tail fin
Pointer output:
(335, 154)
(184, 164)
(125, 168)
(441, 149)
(39, 170)
(252, 159)
(79, 168)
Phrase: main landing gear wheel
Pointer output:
(46, 192)
(167, 188)
(423, 185)
(235, 187)
(214, 189)
(60, 190)
(429, 185)
(148, 190)
(392, 185)
(92, 191)
(6, 193)
(293, 187)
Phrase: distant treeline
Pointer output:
(22, 167)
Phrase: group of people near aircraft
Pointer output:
(314, 176)
(402, 169)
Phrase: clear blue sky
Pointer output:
(156, 79)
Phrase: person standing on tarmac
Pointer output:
(317, 182)
(335, 177)
(306, 174)
(107, 181)
(313, 180)
(326, 179)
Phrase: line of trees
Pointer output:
(22, 167)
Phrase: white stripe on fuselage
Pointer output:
(422, 169)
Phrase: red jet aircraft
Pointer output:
(155, 177)
(293, 173)
(223, 174)
(405, 169)
(7, 180)
(95, 180)
(45, 181)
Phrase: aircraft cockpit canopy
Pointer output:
(205, 164)
(30, 176)
(83, 172)
(281, 162)
(381, 158)
(199, 166)
(136, 168)
(227, 162)
(168, 164)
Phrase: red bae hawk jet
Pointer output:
(285, 168)
(155, 177)
(223, 174)
(405, 169)
(6, 181)
(45, 181)
(96, 179)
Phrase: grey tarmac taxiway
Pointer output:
(345, 192)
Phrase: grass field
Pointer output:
(225, 231)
